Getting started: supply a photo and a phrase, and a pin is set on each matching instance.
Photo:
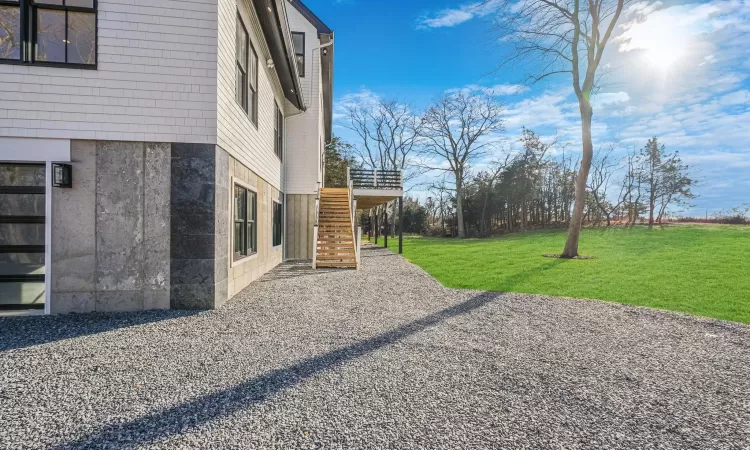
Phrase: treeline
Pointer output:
(533, 187)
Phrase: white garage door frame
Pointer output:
(48, 151)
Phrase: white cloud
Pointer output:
(496, 90)
(450, 17)
(741, 97)
(364, 97)
(607, 98)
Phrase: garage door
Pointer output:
(22, 218)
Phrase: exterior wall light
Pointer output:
(62, 175)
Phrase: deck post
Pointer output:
(385, 225)
(401, 225)
(377, 228)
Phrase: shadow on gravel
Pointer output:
(186, 416)
(294, 269)
(21, 332)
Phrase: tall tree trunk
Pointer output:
(484, 215)
(574, 230)
(460, 206)
(651, 206)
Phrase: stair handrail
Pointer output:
(315, 228)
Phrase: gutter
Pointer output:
(290, 57)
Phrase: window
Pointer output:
(48, 32)
(298, 42)
(241, 70)
(278, 132)
(246, 77)
(253, 93)
(245, 222)
(278, 223)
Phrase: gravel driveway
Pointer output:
(382, 357)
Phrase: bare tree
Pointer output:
(441, 193)
(603, 167)
(563, 37)
(488, 180)
(667, 179)
(457, 131)
(388, 132)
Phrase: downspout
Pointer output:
(314, 77)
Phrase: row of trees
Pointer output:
(534, 187)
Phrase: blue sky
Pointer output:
(679, 70)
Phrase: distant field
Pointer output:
(699, 269)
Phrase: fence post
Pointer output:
(385, 223)
(377, 228)
(375, 178)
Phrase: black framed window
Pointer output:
(253, 86)
(242, 39)
(246, 82)
(278, 223)
(298, 42)
(278, 131)
(245, 222)
(49, 32)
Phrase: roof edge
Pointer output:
(311, 17)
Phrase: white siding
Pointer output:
(156, 80)
(305, 131)
(253, 147)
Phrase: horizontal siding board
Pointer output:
(155, 81)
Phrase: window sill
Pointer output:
(14, 62)
(243, 260)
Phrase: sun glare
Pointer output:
(664, 54)
(663, 44)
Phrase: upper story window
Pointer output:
(48, 32)
(246, 82)
(298, 41)
(278, 131)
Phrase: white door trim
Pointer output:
(34, 149)
(48, 237)
(14, 149)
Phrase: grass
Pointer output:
(698, 269)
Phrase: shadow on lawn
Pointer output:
(511, 282)
(187, 416)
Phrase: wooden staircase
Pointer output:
(335, 247)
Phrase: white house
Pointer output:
(192, 132)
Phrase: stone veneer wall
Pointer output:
(111, 231)
(147, 226)
(245, 271)
(199, 228)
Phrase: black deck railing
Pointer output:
(376, 179)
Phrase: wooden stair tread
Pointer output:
(335, 244)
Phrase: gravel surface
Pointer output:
(383, 357)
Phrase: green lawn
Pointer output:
(699, 269)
